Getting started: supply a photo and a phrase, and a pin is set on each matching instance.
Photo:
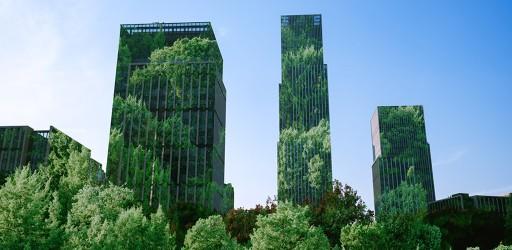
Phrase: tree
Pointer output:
(24, 200)
(360, 236)
(401, 219)
(56, 216)
(106, 218)
(339, 207)
(209, 233)
(240, 223)
(409, 232)
(400, 223)
(159, 235)
(469, 227)
(77, 174)
(183, 216)
(95, 206)
(128, 230)
(61, 148)
(401, 232)
(132, 230)
(502, 247)
(287, 228)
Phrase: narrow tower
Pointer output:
(304, 148)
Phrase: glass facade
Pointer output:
(21, 146)
(399, 142)
(170, 116)
(303, 105)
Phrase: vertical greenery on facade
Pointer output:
(304, 151)
(168, 115)
(303, 173)
(399, 144)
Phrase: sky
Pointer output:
(57, 67)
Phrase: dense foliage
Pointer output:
(32, 215)
(407, 140)
(302, 157)
(62, 205)
(469, 228)
(401, 224)
(183, 216)
(241, 222)
(288, 228)
(209, 233)
(24, 200)
(339, 207)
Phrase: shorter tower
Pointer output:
(399, 142)
(22, 145)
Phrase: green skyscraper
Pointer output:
(399, 142)
(169, 114)
(304, 148)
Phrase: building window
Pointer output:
(316, 20)
(284, 21)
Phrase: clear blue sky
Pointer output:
(57, 61)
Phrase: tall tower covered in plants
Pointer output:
(169, 114)
(304, 148)
(399, 143)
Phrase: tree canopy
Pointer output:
(209, 233)
(339, 207)
(400, 223)
(24, 200)
(288, 228)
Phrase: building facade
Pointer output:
(22, 145)
(462, 201)
(169, 114)
(304, 171)
(399, 142)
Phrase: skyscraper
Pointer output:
(399, 142)
(169, 114)
(304, 150)
(22, 145)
